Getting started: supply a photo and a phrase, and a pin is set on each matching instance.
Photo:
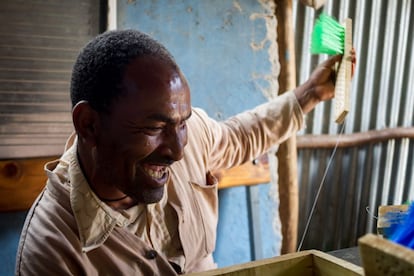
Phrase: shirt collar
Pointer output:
(94, 218)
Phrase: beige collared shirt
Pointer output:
(156, 224)
(69, 231)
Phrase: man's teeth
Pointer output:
(155, 173)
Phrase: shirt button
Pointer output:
(151, 254)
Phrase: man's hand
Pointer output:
(321, 84)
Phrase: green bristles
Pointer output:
(328, 36)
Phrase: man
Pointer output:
(133, 193)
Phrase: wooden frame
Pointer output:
(304, 263)
(381, 257)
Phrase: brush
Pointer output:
(403, 232)
(332, 38)
(328, 36)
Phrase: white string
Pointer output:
(320, 188)
(369, 212)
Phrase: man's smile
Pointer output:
(157, 172)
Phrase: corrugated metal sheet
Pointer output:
(39, 41)
(361, 178)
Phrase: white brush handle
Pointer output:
(343, 78)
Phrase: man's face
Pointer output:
(144, 132)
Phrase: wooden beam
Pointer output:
(355, 139)
(250, 173)
(287, 153)
(258, 172)
(21, 180)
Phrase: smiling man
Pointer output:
(133, 193)
(126, 148)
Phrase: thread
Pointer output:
(320, 189)
(370, 214)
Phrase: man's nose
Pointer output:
(174, 142)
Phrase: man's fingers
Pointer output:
(353, 59)
(332, 60)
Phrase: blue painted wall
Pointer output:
(222, 46)
(211, 41)
(11, 224)
(240, 215)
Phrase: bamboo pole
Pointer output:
(287, 153)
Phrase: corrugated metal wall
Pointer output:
(361, 178)
(39, 42)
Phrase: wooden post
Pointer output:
(287, 153)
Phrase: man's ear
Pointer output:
(86, 122)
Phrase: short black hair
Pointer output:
(100, 66)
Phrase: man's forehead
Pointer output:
(152, 64)
(149, 72)
(155, 89)
(170, 118)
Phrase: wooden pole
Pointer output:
(287, 153)
(325, 141)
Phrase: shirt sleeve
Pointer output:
(245, 136)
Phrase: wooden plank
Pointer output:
(328, 265)
(289, 264)
(304, 263)
(381, 257)
(21, 181)
(250, 173)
